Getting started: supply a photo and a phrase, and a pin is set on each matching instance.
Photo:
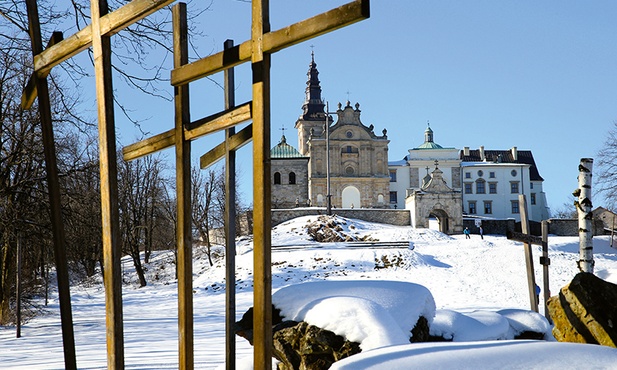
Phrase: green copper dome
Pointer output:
(284, 150)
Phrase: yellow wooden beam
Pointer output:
(199, 128)
(219, 121)
(236, 141)
(273, 41)
(30, 92)
(110, 24)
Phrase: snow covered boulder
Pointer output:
(341, 318)
(483, 325)
(318, 323)
(359, 310)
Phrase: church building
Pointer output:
(352, 154)
(341, 158)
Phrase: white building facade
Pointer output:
(488, 182)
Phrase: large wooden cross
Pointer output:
(257, 50)
(528, 240)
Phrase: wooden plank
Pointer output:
(274, 41)
(109, 24)
(53, 183)
(150, 145)
(112, 250)
(523, 238)
(30, 91)
(545, 259)
(236, 141)
(531, 277)
(197, 129)
(183, 193)
(220, 121)
(262, 254)
(230, 224)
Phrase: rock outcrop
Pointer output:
(301, 346)
(585, 311)
(307, 347)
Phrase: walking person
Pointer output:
(481, 233)
(466, 232)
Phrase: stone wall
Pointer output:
(284, 195)
(494, 227)
(385, 216)
(569, 227)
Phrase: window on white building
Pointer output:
(488, 207)
(468, 188)
(491, 175)
(472, 208)
(492, 188)
(467, 175)
(533, 198)
(514, 204)
(514, 187)
(393, 197)
(392, 175)
(480, 187)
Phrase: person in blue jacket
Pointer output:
(466, 232)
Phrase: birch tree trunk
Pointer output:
(585, 217)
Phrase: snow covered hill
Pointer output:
(463, 276)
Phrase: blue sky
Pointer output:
(541, 76)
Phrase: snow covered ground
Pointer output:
(468, 279)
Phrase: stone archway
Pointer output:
(351, 197)
(442, 220)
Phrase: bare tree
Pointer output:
(204, 186)
(606, 172)
(140, 191)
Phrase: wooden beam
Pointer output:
(545, 261)
(150, 145)
(112, 249)
(273, 41)
(53, 184)
(197, 129)
(235, 142)
(523, 238)
(220, 121)
(109, 24)
(184, 238)
(262, 242)
(230, 224)
(30, 92)
(531, 277)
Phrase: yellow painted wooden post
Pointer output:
(262, 274)
(109, 188)
(51, 167)
(183, 193)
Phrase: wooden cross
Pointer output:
(96, 36)
(528, 239)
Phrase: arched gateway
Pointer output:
(436, 203)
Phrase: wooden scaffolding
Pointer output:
(257, 50)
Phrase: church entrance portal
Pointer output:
(438, 220)
(351, 197)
